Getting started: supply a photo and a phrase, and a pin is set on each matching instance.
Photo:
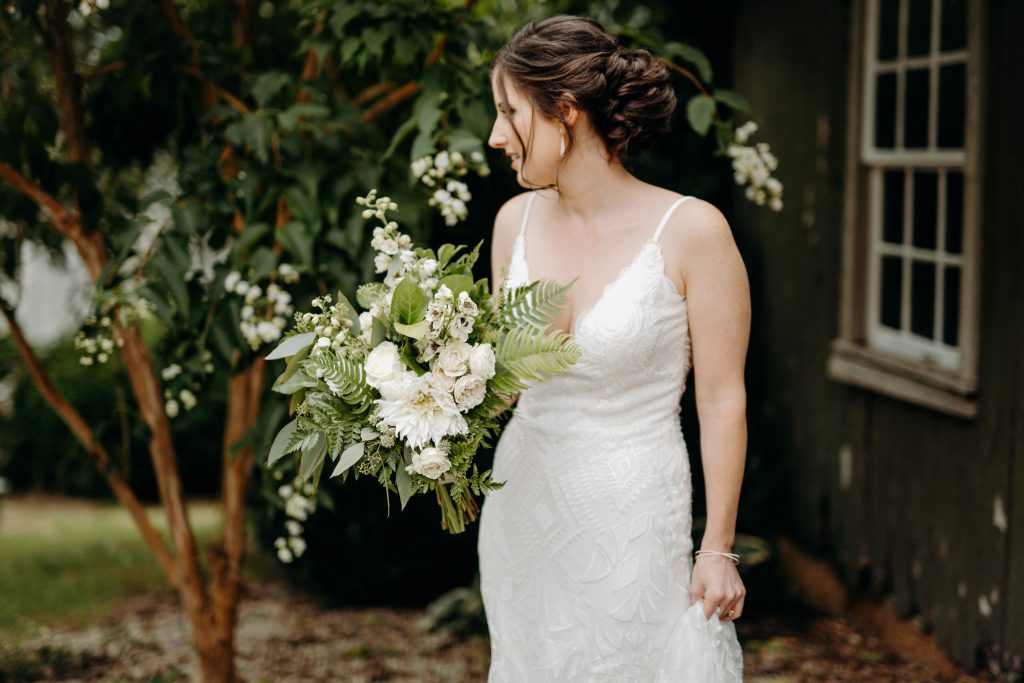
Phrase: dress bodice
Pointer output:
(635, 345)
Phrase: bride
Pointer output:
(585, 563)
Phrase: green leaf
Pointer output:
(278, 448)
(292, 345)
(350, 456)
(692, 55)
(268, 84)
(350, 311)
(415, 331)
(446, 253)
(403, 480)
(734, 100)
(457, 283)
(297, 239)
(408, 303)
(289, 119)
(346, 376)
(378, 333)
(292, 384)
(700, 111)
(312, 457)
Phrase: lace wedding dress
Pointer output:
(585, 553)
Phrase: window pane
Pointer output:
(954, 212)
(951, 306)
(922, 298)
(892, 287)
(919, 28)
(954, 25)
(892, 203)
(885, 111)
(888, 28)
(915, 125)
(926, 199)
(952, 93)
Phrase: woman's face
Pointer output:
(517, 114)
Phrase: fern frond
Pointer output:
(529, 354)
(534, 305)
(345, 378)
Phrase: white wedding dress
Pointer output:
(585, 553)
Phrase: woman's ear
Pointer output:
(567, 105)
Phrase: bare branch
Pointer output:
(63, 221)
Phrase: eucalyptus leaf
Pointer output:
(350, 456)
(312, 457)
(403, 481)
(277, 449)
(292, 345)
(734, 100)
(415, 331)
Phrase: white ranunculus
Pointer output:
(481, 361)
(453, 360)
(430, 462)
(469, 391)
(381, 364)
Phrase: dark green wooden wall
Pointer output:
(916, 520)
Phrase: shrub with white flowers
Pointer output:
(439, 172)
(754, 164)
(96, 340)
(299, 502)
(265, 312)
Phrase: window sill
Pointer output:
(858, 366)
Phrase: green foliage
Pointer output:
(535, 305)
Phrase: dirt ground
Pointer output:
(286, 636)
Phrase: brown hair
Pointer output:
(627, 94)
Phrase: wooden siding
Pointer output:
(901, 497)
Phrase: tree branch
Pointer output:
(95, 450)
(65, 223)
(391, 100)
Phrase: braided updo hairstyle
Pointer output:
(627, 94)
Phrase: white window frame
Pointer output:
(867, 354)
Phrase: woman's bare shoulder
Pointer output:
(508, 219)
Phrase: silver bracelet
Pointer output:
(732, 556)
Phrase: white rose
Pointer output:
(469, 391)
(481, 361)
(442, 381)
(430, 462)
(453, 360)
(381, 364)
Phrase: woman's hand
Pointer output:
(716, 580)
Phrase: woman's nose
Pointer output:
(497, 139)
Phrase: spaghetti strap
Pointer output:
(664, 219)
(526, 212)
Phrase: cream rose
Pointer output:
(469, 391)
(481, 361)
(381, 363)
(430, 462)
(453, 360)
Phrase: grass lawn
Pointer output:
(68, 560)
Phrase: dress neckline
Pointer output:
(519, 251)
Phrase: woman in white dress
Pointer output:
(585, 554)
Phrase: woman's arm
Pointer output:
(718, 308)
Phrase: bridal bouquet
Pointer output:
(407, 387)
